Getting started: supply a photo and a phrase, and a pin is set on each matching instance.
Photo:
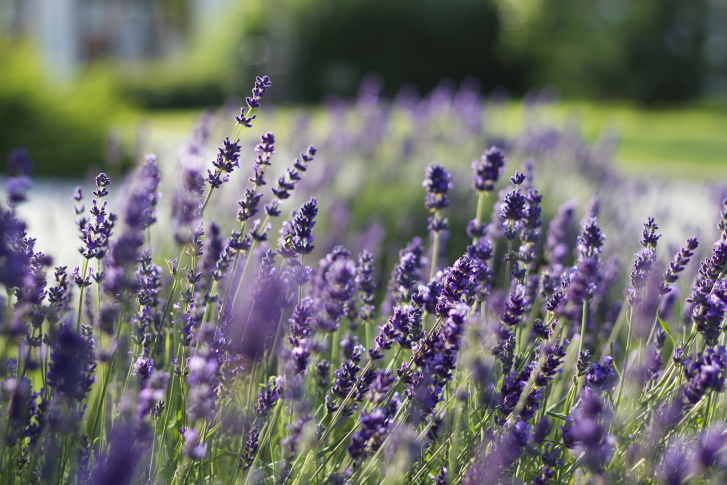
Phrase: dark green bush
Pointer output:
(64, 128)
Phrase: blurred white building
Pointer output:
(72, 32)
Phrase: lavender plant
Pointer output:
(244, 361)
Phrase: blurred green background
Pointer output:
(77, 77)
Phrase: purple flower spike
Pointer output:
(488, 169)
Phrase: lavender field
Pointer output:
(374, 291)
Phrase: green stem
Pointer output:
(80, 298)
(625, 361)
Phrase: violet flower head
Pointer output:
(267, 400)
(518, 178)
(640, 274)
(303, 223)
(488, 169)
(582, 285)
(555, 244)
(249, 205)
(531, 221)
(306, 157)
(515, 306)
(681, 259)
(365, 285)
(143, 366)
(437, 182)
(251, 447)
(459, 282)
(711, 268)
(513, 206)
(73, 363)
(599, 375)
(590, 240)
(649, 237)
(554, 355)
(406, 272)
(286, 184)
(102, 181)
(228, 156)
(706, 372)
(262, 84)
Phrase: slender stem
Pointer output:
(168, 305)
(435, 255)
(80, 297)
(625, 361)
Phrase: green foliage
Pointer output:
(73, 120)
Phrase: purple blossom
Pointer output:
(681, 259)
(649, 237)
(707, 371)
(262, 84)
(488, 169)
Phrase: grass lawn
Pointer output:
(688, 142)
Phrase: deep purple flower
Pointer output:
(681, 259)
(406, 272)
(515, 306)
(649, 237)
(365, 285)
(513, 207)
(262, 84)
(437, 183)
(102, 181)
(345, 378)
(706, 372)
(640, 273)
(143, 366)
(303, 223)
(531, 222)
(590, 240)
(251, 447)
(267, 399)
(554, 355)
(73, 362)
(323, 373)
(712, 268)
(488, 169)
(674, 466)
(555, 245)
(599, 375)
(459, 283)
(708, 311)
(374, 426)
(582, 285)
(512, 388)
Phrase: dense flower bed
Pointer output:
(243, 361)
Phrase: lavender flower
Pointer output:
(681, 259)
(515, 307)
(555, 246)
(262, 84)
(267, 400)
(406, 272)
(73, 363)
(513, 211)
(365, 285)
(707, 371)
(640, 273)
(488, 169)
(649, 237)
(437, 183)
(590, 240)
(251, 448)
(303, 223)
